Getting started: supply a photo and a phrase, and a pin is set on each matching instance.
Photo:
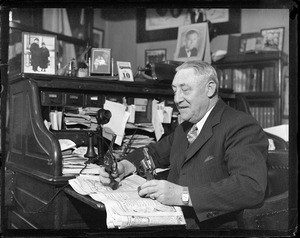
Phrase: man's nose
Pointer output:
(178, 97)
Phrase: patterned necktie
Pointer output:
(192, 134)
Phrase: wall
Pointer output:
(254, 20)
(120, 35)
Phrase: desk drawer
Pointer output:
(51, 98)
(74, 99)
(92, 100)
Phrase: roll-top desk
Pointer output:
(36, 199)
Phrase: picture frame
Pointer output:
(155, 56)
(272, 39)
(230, 26)
(100, 61)
(39, 53)
(193, 43)
(98, 38)
(250, 42)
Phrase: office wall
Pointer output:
(120, 35)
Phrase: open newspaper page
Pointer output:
(124, 207)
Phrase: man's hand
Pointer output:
(124, 168)
(163, 191)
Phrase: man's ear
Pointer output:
(211, 89)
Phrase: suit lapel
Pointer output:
(206, 133)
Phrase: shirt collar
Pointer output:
(200, 123)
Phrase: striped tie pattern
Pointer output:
(192, 134)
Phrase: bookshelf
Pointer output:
(258, 77)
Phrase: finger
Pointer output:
(150, 183)
(147, 190)
(104, 181)
(103, 173)
(152, 196)
(114, 175)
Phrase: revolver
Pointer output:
(111, 165)
(147, 166)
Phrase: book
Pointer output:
(124, 207)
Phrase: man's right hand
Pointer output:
(124, 168)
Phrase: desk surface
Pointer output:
(84, 198)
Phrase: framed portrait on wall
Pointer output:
(100, 61)
(155, 24)
(193, 43)
(39, 53)
(155, 56)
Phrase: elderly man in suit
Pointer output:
(222, 171)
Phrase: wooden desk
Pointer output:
(85, 199)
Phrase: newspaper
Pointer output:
(124, 207)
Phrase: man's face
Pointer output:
(190, 95)
(191, 41)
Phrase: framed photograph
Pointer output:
(98, 38)
(250, 42)
(192, 42)
(155, 56)
(100, 61)
(38, 53)
(155, 24)
(272, 39)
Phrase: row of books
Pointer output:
(248, 79)
(264, 115)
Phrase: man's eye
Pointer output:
(185, 90)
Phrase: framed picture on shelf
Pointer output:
(155, 56)
(272, 39)
(250, 42)
(98, 37)
(38, 53)
(100, 61)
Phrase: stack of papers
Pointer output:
(137, 141)
(74, 162)
(141, 126)
(73, 121)
(81, 118)
(124, 207)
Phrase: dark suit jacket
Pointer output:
(224, 169)
(182, 52)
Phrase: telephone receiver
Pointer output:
(103, 116)
(163, 71)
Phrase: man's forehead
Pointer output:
(188, 76)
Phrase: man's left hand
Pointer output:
(163, 191)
